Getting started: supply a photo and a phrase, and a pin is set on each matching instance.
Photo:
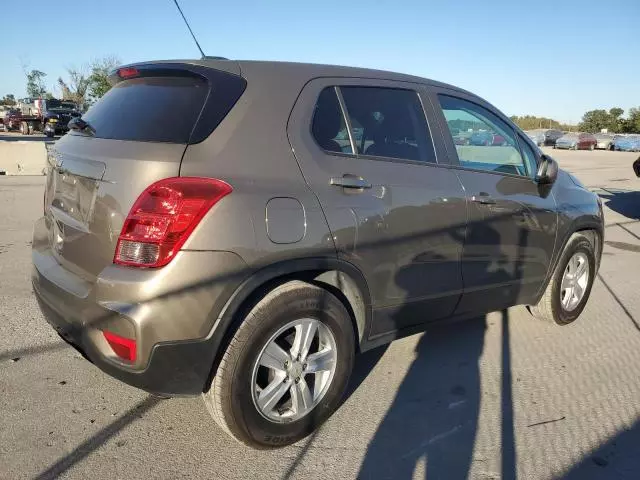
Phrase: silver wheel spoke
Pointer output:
(566, 281)
(581, 270)
(274, 357)
(305, 332)
(321, 361)
(567, 298)
(273, 393)
(301, 397)
(578, 292)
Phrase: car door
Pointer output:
(512, 223)
(365, 149)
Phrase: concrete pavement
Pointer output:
(499, 397)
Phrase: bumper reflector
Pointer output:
(124, 348)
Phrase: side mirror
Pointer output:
(547, 171)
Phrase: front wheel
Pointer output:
(568, 290)
(592, 147)
(285, 369)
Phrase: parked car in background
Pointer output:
(604, 141)
(536, 136)
(158, 258)
(629, 143)
(481, 138)
(577, 141)
(550, 137)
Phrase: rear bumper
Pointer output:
(175, 368)
(171, 312)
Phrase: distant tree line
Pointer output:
(593, 121)
(531, 122)
(83, 86)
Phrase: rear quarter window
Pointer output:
(151, 109)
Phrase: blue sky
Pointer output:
(554, 58)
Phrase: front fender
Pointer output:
(579, 209)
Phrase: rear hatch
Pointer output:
(137, 134)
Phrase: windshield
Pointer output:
(57, 104)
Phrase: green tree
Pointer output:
(35, 83)
(98, 79)
(8, 99)
(632, 124)
(615, 113)
(531, 122)
(595, 120)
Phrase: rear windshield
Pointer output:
(149, 109)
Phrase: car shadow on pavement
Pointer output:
(624, 202)
(618, 458)
(434, 416)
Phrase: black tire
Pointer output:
(49, 134)
(550, 308)
(24, 128)
(229, 399)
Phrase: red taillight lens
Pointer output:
(163, 217)
(123, 347)
(128, 72)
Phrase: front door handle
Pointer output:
(350, 181)
(484, 198)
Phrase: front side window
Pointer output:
(388, 122)
(329, 127)
(482, 140)
(530, 157)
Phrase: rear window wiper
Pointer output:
(79, 125)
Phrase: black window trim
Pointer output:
(458, 165)
(337, 87)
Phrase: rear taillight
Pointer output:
(123, 347)
(163, 217)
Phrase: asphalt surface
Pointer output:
(504, 396)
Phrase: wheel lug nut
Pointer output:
(298, 380)
(304, 367)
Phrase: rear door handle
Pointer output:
(483, 198)
(349, 181)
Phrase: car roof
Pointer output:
(307, 71)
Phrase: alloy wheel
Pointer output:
(294, 370)
(574, 281)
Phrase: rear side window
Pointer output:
(329, 127)
(388, 122)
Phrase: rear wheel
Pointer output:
(568, 290)
(286, 368)
(24, 128)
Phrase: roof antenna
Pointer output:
(190, 31)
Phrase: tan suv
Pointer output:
(241, 230)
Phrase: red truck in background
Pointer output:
(50, 116)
